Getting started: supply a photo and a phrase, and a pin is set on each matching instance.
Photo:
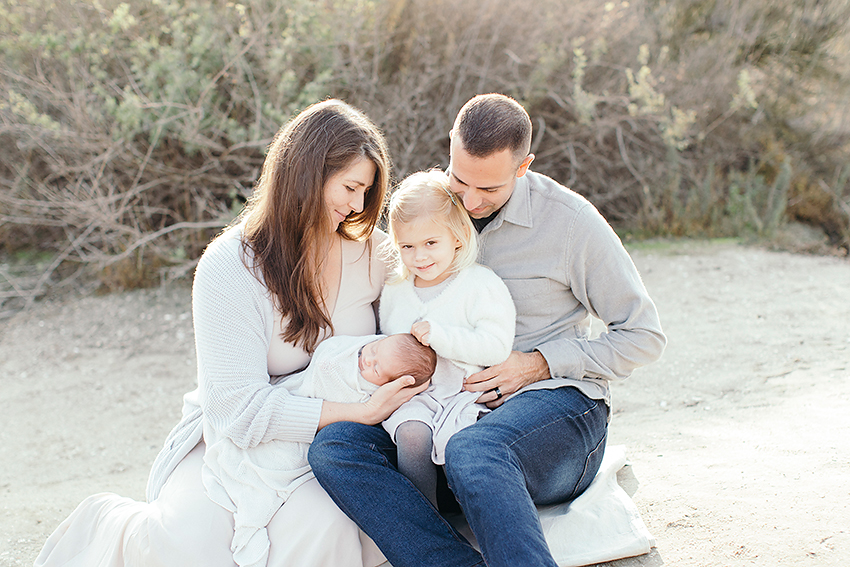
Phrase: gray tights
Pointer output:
(414, 457)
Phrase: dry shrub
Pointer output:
(130, 134)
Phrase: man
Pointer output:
(545, 439)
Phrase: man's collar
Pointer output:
(518, 208)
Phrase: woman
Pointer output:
(298, 267)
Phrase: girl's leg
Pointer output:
(413, 439)
(356, 464)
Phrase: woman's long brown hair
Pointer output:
(286, 222)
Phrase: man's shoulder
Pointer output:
(545, 188)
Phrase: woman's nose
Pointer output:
(356, 202)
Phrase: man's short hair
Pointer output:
(416, 359)
(491, 123)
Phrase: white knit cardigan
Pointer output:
(234, 323)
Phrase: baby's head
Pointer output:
(395, 356)
(424, 198)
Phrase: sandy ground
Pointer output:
(738, 439)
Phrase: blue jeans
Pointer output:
(541, 447)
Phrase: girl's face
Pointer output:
(427, 249)
(345, 191)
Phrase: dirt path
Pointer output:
(739, 438)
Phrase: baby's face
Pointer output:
(378, 361)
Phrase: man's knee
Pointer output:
(328, 444)
(472, 456)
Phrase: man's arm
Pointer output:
(518, 371)
(602, 277)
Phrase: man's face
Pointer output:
(483, 184)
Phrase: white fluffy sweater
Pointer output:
(472, 320)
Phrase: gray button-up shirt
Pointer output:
(563, 263)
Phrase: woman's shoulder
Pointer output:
(378, 236)
(376, 239)
(225, 247)
(371, 248)
(226, 259)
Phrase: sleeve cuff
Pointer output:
(296, 419)
(562, 360)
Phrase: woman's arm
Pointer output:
(377, 408)
(233, 318)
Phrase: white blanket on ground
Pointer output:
(603, 524)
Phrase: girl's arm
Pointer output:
(480, 329)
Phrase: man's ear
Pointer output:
(523, 167)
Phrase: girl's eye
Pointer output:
(350, 188)
(431, 242)
(405, 246)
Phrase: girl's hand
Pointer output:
(421, 330)
(502, 380)
(389, 398)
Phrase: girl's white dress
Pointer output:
(472, 326)
(239, 349)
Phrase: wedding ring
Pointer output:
(498, 392)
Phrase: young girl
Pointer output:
(461, 309)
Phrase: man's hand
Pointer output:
(422, 331)
(501, 380)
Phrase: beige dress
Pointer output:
(180, 526)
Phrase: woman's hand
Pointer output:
(501, 380)
(377, 408)
(389, 397)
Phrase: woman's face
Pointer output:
(345, 191)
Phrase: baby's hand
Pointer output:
(421, 330)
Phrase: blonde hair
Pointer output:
(426, 195)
